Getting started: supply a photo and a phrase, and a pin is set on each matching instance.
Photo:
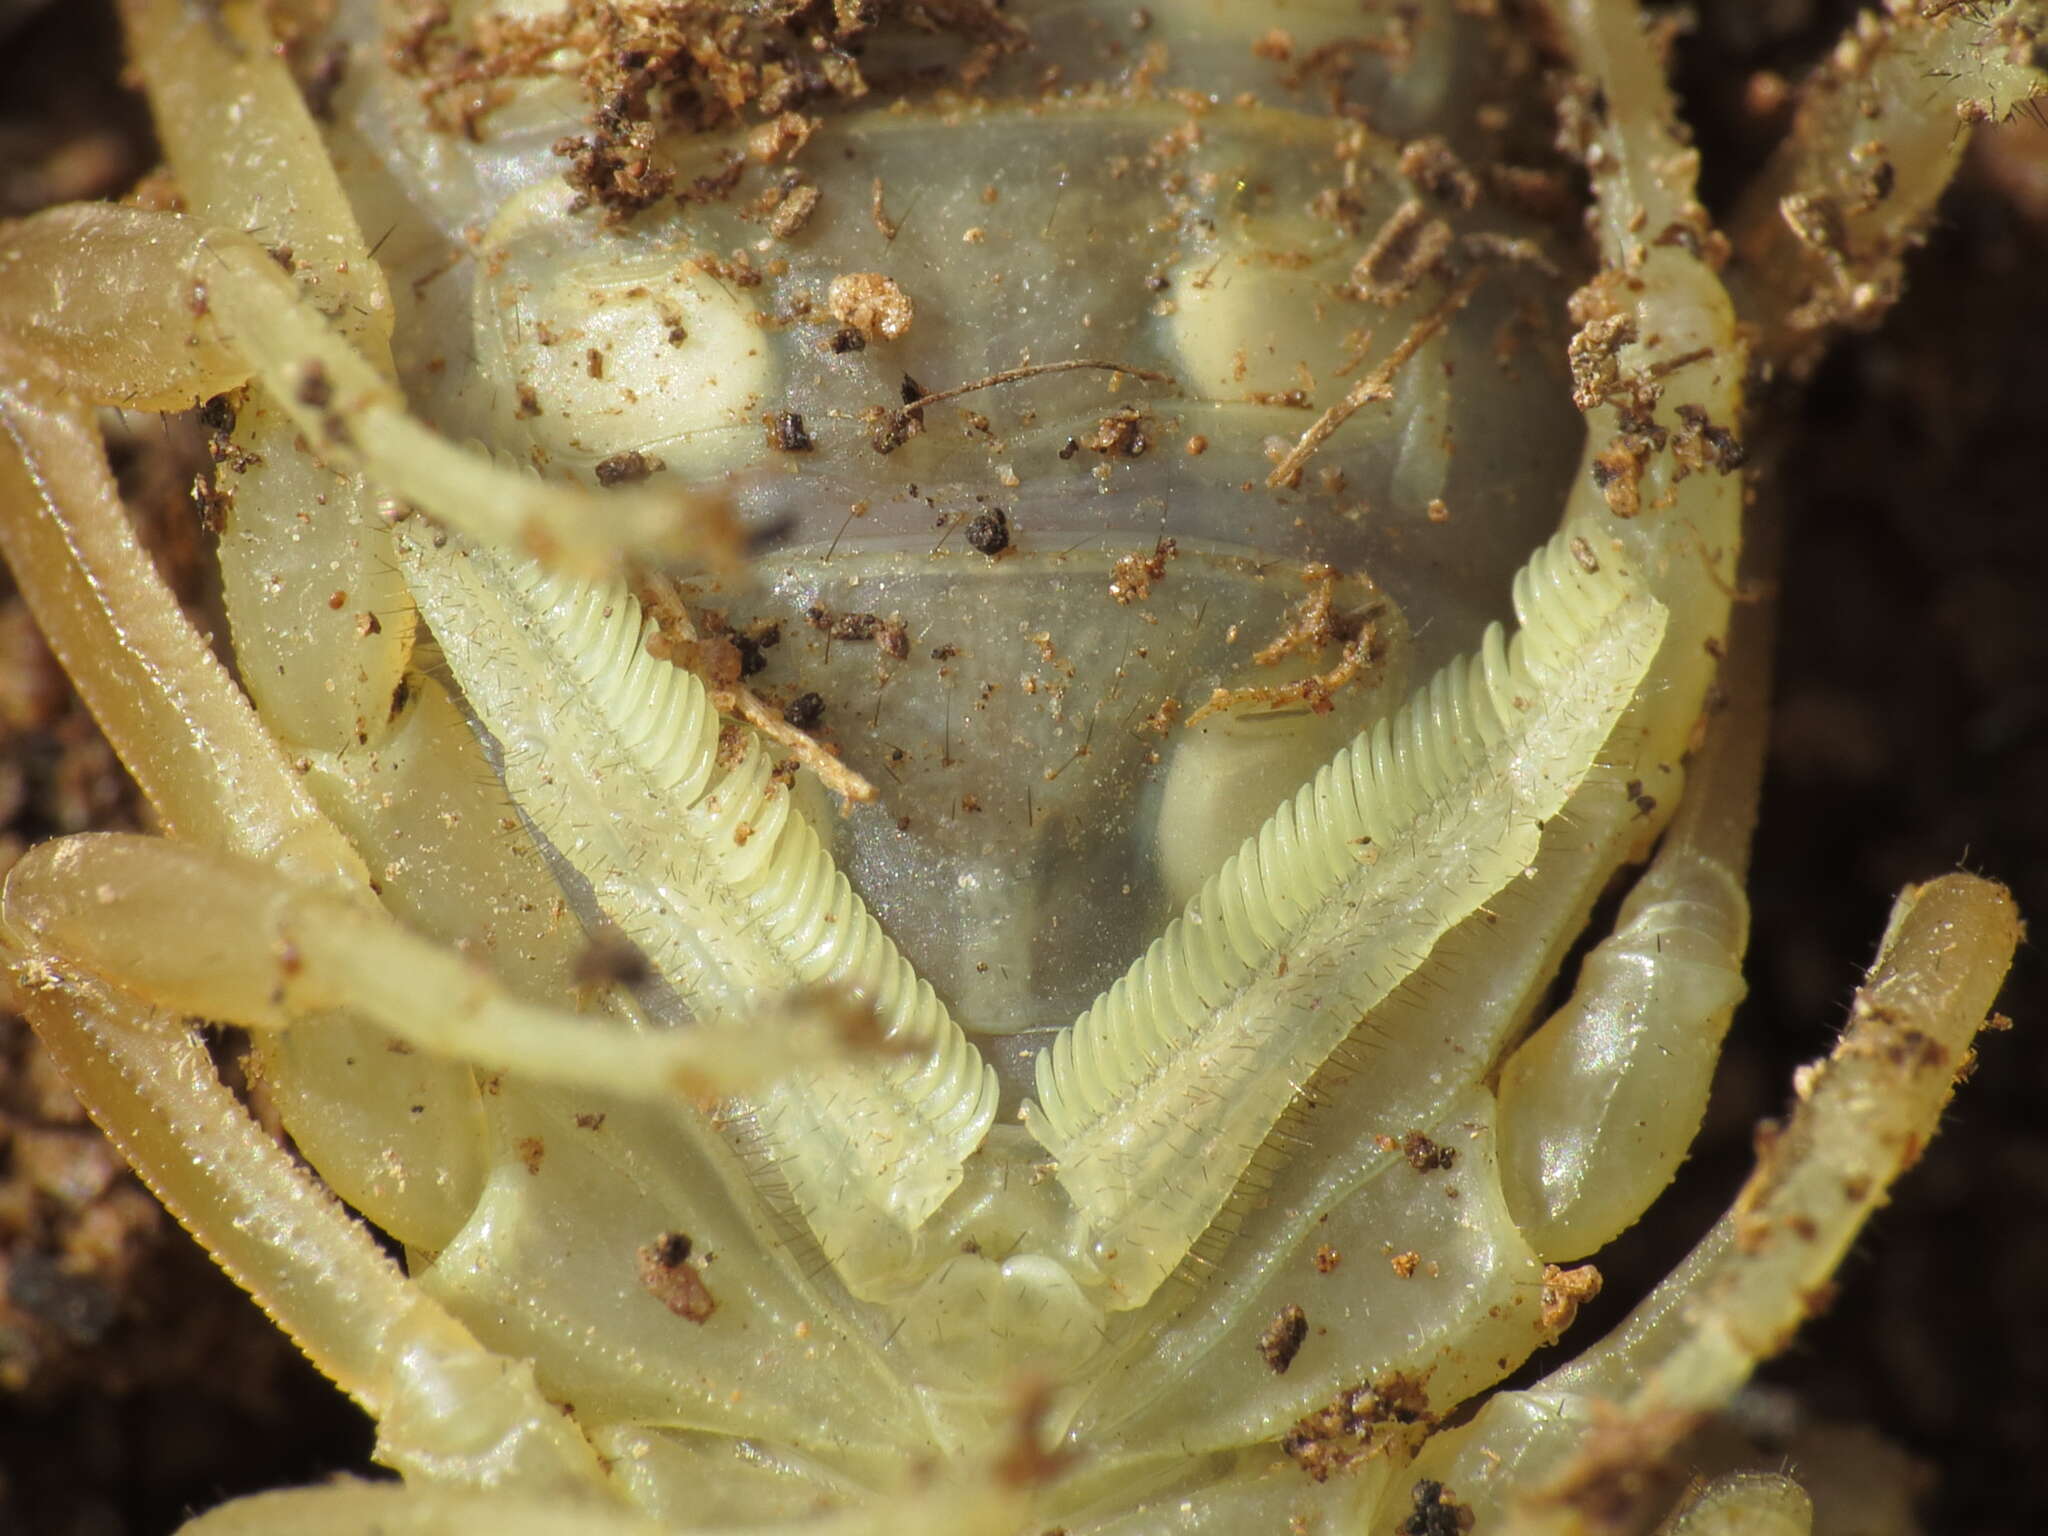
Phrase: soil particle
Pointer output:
(668, 1275)
(871, 304)
(628, 468)
(1281, 1340)
(988, 533)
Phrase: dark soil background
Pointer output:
(1910, 736)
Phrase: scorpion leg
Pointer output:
(368, 1510)
(1657, 365)
(110, 903)
(222, 296)
(1820, 237)
(214, 776)
(151, 1085)
(1664, 984)
(210, 771)
(335, 691)
(319, 340)
(1586, 1432)
(1745, 1504)
(1600, 1105)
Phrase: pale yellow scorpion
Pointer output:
(1102, 449)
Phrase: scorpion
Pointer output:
(900, 802)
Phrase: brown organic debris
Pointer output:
(1281, 1339)
(627, 468)
(608, 958)
(1316, 627)
(649, 69)
(890, 634)
(1132, 578)
(787, 432)
(1122, 434)
(1026, 1462)
(1360, 1423)
(722, 660)
(1564, 1292)
(1375, 386)
(988, 533)
(1425, 1155)
(1435, 1511)
(871, 304)
(669, 1276)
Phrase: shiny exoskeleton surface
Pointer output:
(908, 796)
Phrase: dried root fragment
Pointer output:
(1315, 628)
(894, 428)
(1409, 249)
(679, 640)
(1375, 386)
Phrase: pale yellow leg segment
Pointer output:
(380, 1126)
(1659, 345)
(1864, 1116)
(368, 1509)
(184, 731)
(209, 66)
(150, 1084)
(212, 772)
(228, 291)
(354, 418)
(1821, 236)
(1600, 1105)
(211, 769)
(321, 621)
(362, 1510)
(1753, 1504)
(98, 301)
(216, 937)
(215, 777)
